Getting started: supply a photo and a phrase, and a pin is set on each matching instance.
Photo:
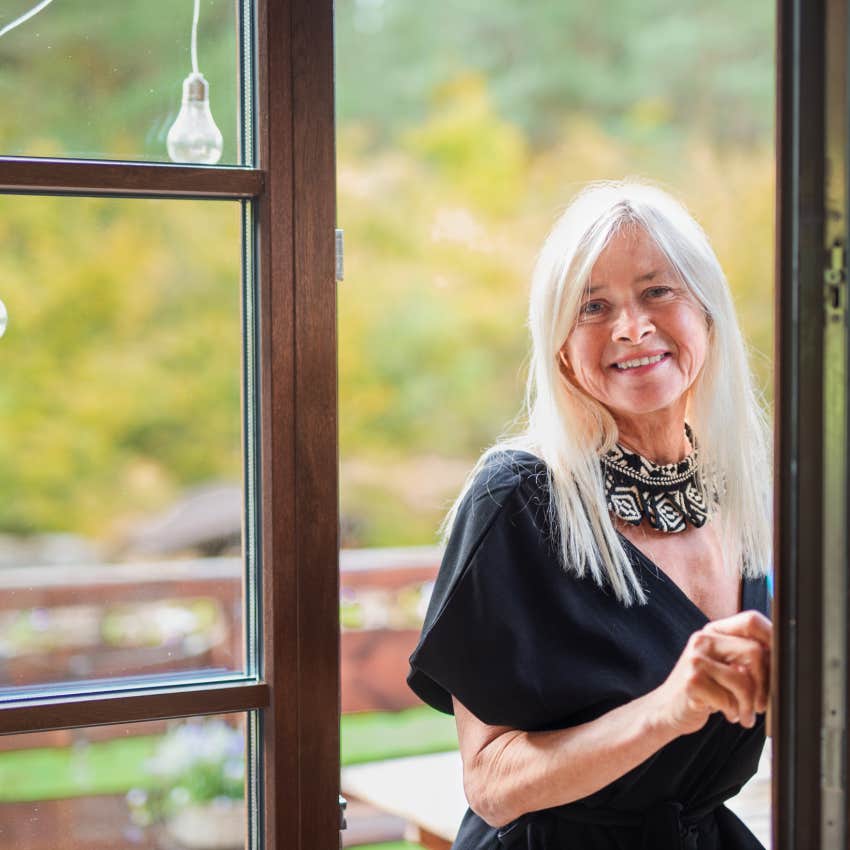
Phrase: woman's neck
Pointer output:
(659, 441)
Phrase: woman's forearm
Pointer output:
(519, 772)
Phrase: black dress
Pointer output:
(521, 643)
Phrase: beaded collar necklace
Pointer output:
(668, 496)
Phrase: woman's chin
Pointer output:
(646, 405)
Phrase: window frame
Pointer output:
(292, 197)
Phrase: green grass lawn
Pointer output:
(105, 767)
(390, 845)
(374, 735)
(116, 766)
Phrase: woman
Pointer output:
(598, 625)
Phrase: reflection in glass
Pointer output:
(108, 86)
(156, 785)
(121, 545)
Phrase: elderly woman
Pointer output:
(599, 624)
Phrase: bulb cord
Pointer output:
(194, 35)
(34, 11)
(45, 3)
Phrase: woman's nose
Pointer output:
(631, 325)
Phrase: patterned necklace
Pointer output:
(668, 496)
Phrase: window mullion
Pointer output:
(50, 713)
(85, 177)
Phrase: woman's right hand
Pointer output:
(725, 666)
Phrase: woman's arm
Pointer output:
(508, 772)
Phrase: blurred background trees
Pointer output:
(463, 129)
(462, 133)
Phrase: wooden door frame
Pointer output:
(296, 217)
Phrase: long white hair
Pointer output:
(568, 429)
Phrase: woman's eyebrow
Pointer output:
(639, 279)
(647, 276)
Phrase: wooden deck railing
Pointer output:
(383, 593)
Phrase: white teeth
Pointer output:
(642, 361)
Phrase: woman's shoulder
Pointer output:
(510, 486)
(504, 471)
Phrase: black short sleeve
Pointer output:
(476, 640)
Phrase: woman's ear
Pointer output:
(566, 369)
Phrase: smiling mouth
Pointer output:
(640, 361)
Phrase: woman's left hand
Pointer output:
(747, 626)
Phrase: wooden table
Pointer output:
(427, 792)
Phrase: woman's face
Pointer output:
(641, 336)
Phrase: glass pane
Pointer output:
(151, 785)
(110, 85)
(121, 459)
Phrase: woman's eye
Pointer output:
(591, 308)
(659, 291)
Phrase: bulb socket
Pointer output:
(196, 89)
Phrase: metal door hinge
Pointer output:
(835, 281)
(340, 253)
(342, 824)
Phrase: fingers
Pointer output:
(747, 654)
(707, 693)
(726, 688)
(748, 624)
(738, 665)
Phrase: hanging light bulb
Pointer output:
(194, 136)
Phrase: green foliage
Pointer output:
(109, 84)
(83, 769)
(707, 67)
(196, 761)
(461, 134)
(121, 378)
(377, 735)
(433, 346)
(486, 175)
(390, 845)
